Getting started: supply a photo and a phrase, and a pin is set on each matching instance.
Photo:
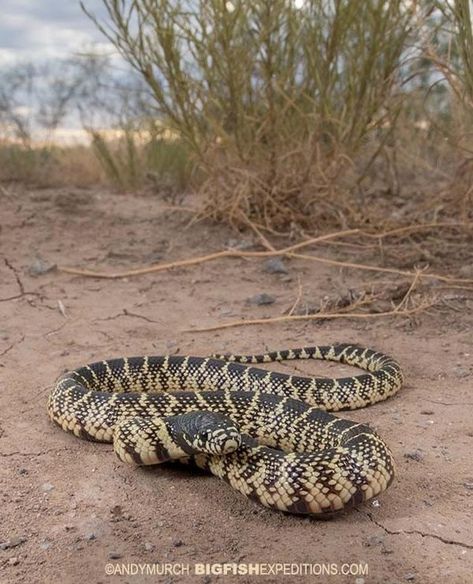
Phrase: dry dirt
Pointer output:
(70, 509)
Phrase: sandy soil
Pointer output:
(70, 509)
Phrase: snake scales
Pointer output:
(268, 434)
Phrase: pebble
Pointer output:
(373, 540)
(468, 485)
(461, 372)
(90, 536)
(13, 561)
(149, 547)
(40, 267)
(261, 299)
(47, 487)
(416, 455)
(178, 543)
(275, 266)
(116, 512)
(409, 576)
(114, 555)
(13, 542)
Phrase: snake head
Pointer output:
(209, 433)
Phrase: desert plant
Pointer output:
(271, 96)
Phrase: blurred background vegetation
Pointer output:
(291, 114)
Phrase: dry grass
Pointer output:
(143, 156)
(49, 166)
(127, 162)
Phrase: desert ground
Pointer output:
(70, 509)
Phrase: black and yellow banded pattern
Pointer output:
(294, 456)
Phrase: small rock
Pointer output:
(178, 543)
(23, 471)
(427, 412)
(149, 547)
(47, 487)
(13, 561)
(416, 455)
(45, 545)
(468, 485)
(461, 372)
(40, 267)
(375, 503)
(114, 555)
(275, 266)
(409, 576)
(116, 512)
(373, 540)
(13, 542)
(90, 536)
(262, 299)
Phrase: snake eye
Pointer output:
(204, 435)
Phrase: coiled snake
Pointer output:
(268, 434)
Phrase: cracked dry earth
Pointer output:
(70, 507)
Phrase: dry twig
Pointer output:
(328, 316)
(202, 259)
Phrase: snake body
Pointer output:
(269, 435)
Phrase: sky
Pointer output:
(42, 31)
(45, 29)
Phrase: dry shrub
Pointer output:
(273, 97)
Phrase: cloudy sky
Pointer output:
(41, 29)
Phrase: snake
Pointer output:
(271, 435)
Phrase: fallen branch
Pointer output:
(229, 253)
(287, 251)
(327, 316)
(428, 275)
